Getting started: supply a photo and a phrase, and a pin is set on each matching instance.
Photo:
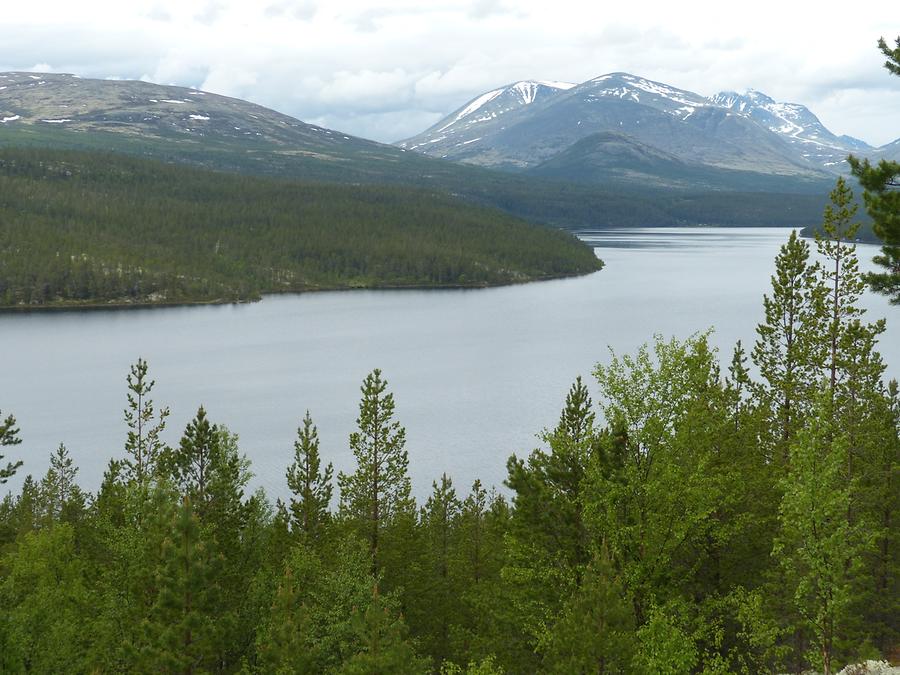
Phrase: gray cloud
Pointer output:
(389, 70)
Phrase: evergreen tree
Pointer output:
(379, 490)
(9, 435)
(193, 462)
(143, 443)
(310, 486)
(61, 497)
(182, 632)
(383, 646)
(486, 621)
(547, 547)
(786, 351)
(594, 632)
(439, 598)
(839, 276)
(882, 198)
(283, 650)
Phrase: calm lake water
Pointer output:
(476, 373)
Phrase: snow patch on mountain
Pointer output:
(790, 120)
(473, 106)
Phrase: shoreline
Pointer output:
(119, 305)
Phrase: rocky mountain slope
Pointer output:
(42, 103)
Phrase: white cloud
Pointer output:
(385, 70)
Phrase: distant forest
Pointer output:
(560, 203)
(700, 517)
(92, 228)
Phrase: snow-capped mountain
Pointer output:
(750, 132)
(676, 102)
(796, 124)
(488, 111)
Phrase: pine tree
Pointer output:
(840, 278)
(594, 632)
(786, 351)
(379, 490)
(882, 198)
(61, 497)
(310, 486)
(547, 547)
(143, 443)
(192, 463)
(283, 650)
(182, 632)
(439, 599)
(9, 435)
(384, 647)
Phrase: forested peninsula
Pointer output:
(700, 517)
(99, 229)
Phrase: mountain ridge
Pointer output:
(184, 125)
(749, 132)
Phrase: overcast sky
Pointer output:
(387, 70)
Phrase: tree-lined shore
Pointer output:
(697, 517)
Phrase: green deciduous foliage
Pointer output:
(692, 521)
(46, 600)
(819, 546)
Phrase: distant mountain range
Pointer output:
(622, 127)
(571, 156)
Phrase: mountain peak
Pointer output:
(758, 97)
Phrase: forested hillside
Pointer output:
(89, 228)
(611, 203)
(700, 517)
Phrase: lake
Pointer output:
(476, 373)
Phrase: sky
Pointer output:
(387, 70)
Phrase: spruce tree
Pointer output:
(379, 490)
(309, 484)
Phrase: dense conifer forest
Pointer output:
(91, 228)
(561, 203)
(698, 517)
